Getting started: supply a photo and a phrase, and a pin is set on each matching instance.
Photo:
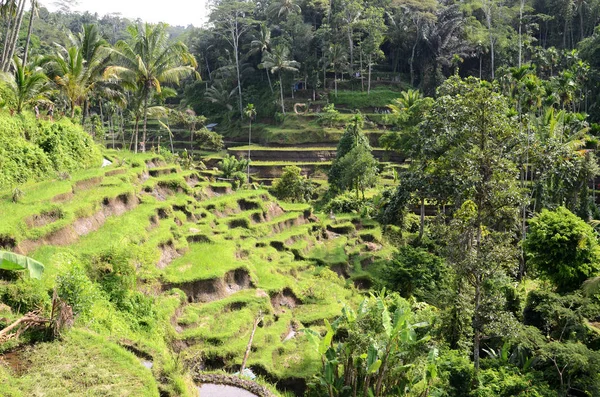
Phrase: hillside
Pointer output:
(202, 260)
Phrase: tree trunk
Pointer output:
(351, 47)
(412, 58)
(422, 222)
(269, 78)
(521, 32)
(7, 37)
(476, 320)
(281, 93)
(369, 84)
(335, 82)
(581, 19)
(137, 132)
(362, 81)
(170, 136)
(15, 36)
(249, 146)
(145, 123)
(29, 30)
(239, 81)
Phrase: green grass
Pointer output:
(220, 328)
(379, 97)
(83, 364)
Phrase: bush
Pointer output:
(75, 288)
(292, 186)
(416, 272)
(563, 248)
(34, 149)
(26, 294)
(329, 117)
(345, 203)
(115, 274)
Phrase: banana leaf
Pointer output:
(12, 261)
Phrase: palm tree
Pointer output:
(28, 84)
(249, 112)
(12, 11)
(148, 61)
(337, 57)
(278, 61)
(407, 100)
(285, 8)
(219, 94)
(261, 45)
(77, 70)
(33, 12)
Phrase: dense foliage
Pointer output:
(32, 149)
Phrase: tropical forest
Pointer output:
(320, 198)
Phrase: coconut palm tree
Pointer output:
(284, 8)
(261, 45)
(336, 58)
(78, 69)
(28, 84)
(278, 61)
(148, 61)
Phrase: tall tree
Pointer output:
(13, 10)
(374, 28)
(278, 62)
(28, 85)
(78, 69)
(32, 13)
(470, 136)
(232, 20)
(261, 45)
(150, 60)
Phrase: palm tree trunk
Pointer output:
(249, 146)
(29, 30)
(15, 36)
(412, 58)
(281, 92)
(145, 123)
(137, 132)
(369, 85)
(351, 47)
(170, 136)
(422, 219)
(269, 78)
(7, 37)
(335, 82)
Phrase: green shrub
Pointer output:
(416, 272)
(114, 271)
(33, 149)
(75, 288)
(24, 295)
(292, 186)
(329, 117)
(345, 203)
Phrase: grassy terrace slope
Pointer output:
(209, 259)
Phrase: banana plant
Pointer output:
(12, 261)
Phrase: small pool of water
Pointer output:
(211, 390)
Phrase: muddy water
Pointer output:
(211, 390)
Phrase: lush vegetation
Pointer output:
(413, 211)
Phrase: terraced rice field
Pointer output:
(212, 258)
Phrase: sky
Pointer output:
(173, 12)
